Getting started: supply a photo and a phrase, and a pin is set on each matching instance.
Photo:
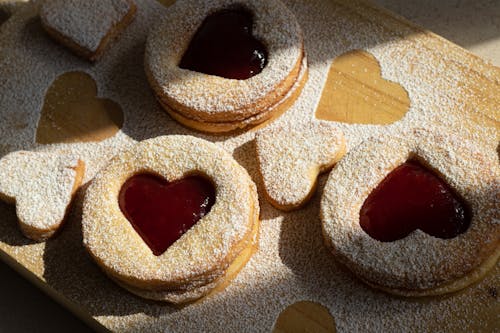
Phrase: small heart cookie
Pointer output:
(291, 158)
(86, 27)
(41, 185)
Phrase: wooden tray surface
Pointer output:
(444, 86)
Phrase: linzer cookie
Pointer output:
(172, 219)
(218, 66)
(41, 185)
(292, 156)
(415, 214)
(86, 27)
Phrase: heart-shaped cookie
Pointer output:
(305, 316)
(42, 186)
(292, 156)
(72, 112)
(86, 27)
(224, 46)
(412, 197)
(356, 93)
(161, 212)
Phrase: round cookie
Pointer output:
(418, 264)
(205, 256)
(224, 104)
(267, 115)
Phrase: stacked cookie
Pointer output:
(203, 257)
(222, 100)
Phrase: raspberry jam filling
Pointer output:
(412, 197)
(224, 46)
(161, 212)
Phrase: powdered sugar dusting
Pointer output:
(205, 251)
(419, 261)
(292, 263)
(212, 98)
(41, 186)
(290, 159)
(84, 22)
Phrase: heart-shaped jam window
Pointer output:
(161, 211)
(224, 46)
(413, 197)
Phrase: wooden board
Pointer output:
(481, 109)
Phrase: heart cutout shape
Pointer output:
(41, 185)
(167, 3)
(291, 157)
(224, 46)
(161, 212)
(305, 316)
(72, 112)
(356, 93)
(412, 197)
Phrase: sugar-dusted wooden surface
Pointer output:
(482, 106)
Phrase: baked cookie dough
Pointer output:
(213, 103)
(86, 27)
(42, 186)
(418, 264)
(206, 255)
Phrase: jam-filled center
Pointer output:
(224, 46)
(161, 212)
(412, 197)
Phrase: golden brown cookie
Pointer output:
(415, 214)
(41, 185)
(136, 228)
(292, 156)
(219, 97)
(86, 27)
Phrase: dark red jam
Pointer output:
(161, 212)
(412, 197)
(224, 46)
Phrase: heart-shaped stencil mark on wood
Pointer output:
(356, 93)
(412, 197)
(292, 156)
(305, 316)
(167, 3)
(224, 46)
(161, 212)
(72, 112)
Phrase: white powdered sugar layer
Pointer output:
(41, 186)
(85, 22)
(293, 264)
